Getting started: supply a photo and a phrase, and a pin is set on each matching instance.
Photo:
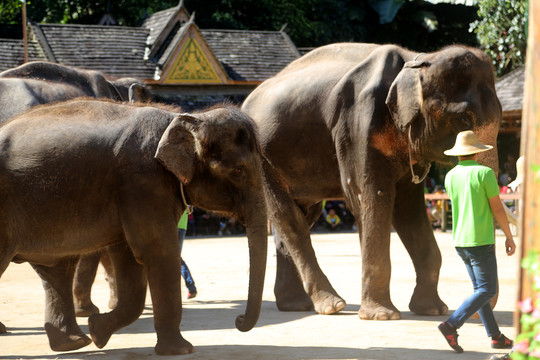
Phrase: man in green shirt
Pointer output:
(186, 274)
(474, 193)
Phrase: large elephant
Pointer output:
(40, 82)
(364, 122)
(80, 175)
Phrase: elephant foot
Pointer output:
(427, 305)
(2, 328)
(86, 310)
(100, 329)
(294, 301)
(327, 303)
(178, 346)
(375, 311)
(61, 341)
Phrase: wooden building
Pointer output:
(510, 93)
(180, 62)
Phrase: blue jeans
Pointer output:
(186, 274)
(481, 264)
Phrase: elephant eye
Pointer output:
(239, 170)
(436, 106)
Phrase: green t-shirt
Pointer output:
(470, 186)
(182, 224)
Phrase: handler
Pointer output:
(474, 193)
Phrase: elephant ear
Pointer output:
(138, 92)
(177, 148)
(404, 98)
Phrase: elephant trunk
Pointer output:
(488, 135)
(257, 233)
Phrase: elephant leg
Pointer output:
(372, 207)
(156, 246)
(60, 324)
(288, 288)
(4, 262)
(293, 230)
(131, 283)
(110, 277)
(414, 229)
(82, 285)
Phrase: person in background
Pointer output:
(474, 192)
(332, 220)
(186, 274)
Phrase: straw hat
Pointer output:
(467, 144)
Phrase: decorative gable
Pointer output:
(192, 62)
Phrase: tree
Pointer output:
(415, 24)
(126, 12)
(502, 32)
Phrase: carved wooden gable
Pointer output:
(192, 62)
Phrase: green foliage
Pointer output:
(502, 32)
(417, 24)
(309, 22)
(126, 12)
(10, 12)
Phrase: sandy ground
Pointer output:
(219, 266)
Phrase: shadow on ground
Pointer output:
(256, 352)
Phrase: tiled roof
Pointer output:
(114, 50)
(13, 53)
(157, 22)
(251, 55)
(510, 90)
(165, 52)
(118, 51)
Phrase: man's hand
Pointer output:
(510, 246)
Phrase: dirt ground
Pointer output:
(220, 269)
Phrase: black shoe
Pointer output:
(502, 357)
(451, 335)
(501, 342)
(192, 294)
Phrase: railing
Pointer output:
(445, 198)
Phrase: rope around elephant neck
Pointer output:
(189, 211)
(415, 178)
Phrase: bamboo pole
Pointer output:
(530, 148)
(25, 38)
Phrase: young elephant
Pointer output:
(84, 174)
(41, 82)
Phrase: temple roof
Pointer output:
(510, 90)
(152, 52)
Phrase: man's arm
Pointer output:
(499, 214)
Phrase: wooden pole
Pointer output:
(530, 148)
(25, 39)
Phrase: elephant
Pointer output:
(364, 122)
(84, 174)
(41, 82)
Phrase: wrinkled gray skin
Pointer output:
(339, 123)
(40, 82)
(87, 174)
